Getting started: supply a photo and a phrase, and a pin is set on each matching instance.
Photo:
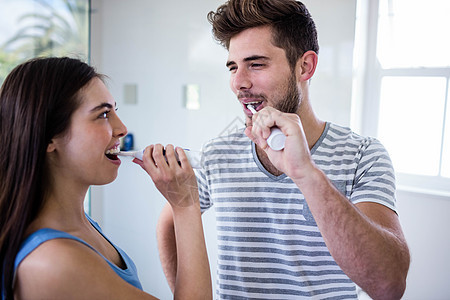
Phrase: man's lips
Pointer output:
(256, 104)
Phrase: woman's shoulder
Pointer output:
(56, 254)
(65, 267)
(54, 264)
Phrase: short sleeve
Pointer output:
(203, 190)
(375, 177)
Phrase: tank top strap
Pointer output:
(40, 236)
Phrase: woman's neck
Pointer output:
(62, 209)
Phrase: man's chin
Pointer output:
(248, 121)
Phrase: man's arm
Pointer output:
(365, 239)
(165, 235)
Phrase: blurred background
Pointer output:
(384, 69)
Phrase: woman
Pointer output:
(59, 132)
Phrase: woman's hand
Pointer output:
(176, 181)
(174, 178)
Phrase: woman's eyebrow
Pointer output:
(103, 105)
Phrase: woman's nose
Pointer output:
(119, 129)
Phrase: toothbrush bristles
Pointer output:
(251, 108)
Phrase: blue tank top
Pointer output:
(129, 274)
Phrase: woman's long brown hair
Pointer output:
(37, 100)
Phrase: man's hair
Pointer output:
(293, 28)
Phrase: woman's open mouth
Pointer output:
(112, 153)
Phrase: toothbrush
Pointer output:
(276, 138)
(137, 153)
(194, 157)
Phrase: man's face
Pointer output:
(260, 72)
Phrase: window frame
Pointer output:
(367, 78)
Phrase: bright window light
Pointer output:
(410, 122)
(414, 33)
(402, 87)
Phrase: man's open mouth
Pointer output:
(254, 104)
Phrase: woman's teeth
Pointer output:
(113, 151)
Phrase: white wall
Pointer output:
(162, 45)
(335, 23)
(426, 224)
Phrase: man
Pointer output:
(314, 219)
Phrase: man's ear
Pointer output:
(306, 65)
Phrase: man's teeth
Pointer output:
(251, 108)
(252, 105)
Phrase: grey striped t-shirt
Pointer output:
(269, 246)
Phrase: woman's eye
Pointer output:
(104, 115)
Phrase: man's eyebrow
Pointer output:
(229, 63)
(256, 57)
(250, 58)
(103, 105)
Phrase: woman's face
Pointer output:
(80, 155)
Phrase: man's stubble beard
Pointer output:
(290, 103)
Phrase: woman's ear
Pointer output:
(51, 146)
(306, 65)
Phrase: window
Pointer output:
(31, 28)
(401, 87)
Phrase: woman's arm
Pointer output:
(177, 183)
(167, 245)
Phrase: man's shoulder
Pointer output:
(340, 141)
(341, 134)
(343, 138)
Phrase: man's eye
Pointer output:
(232, 69)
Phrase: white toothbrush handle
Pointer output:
(276, 139)
(139, 154)
(194, 157)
